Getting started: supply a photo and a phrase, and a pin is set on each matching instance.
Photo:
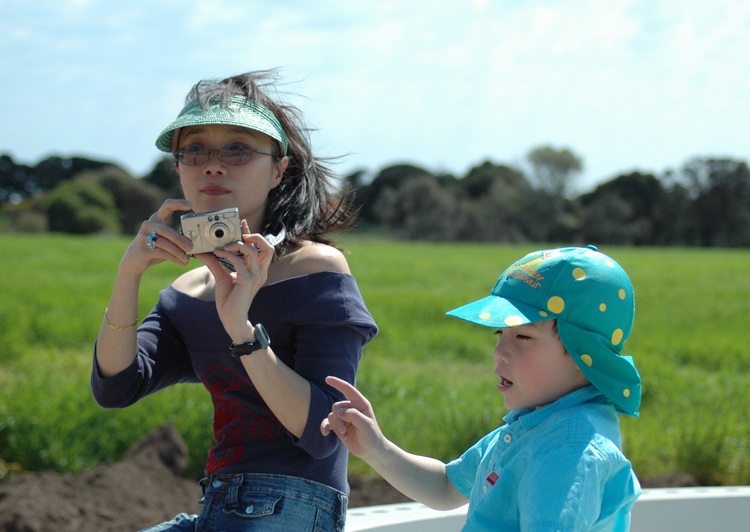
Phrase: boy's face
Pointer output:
(533, 366)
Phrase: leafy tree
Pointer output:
(502, 201)
(19, 182)
(418, 209)
(554, 170)
(14, 181)
(607, 219)
(54, 170)
(82, 207)
(390, 177)
(134, 199)
(164, 177)
(721, 201)
(357, 178)
(480, 180)
(25, 217)
(626, 210)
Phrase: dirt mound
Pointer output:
(144, 489)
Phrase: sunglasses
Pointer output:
(231, 154)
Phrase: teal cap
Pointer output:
(239, 111)
(592, 299)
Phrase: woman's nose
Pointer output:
(214, 166)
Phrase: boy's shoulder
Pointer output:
(589, 424)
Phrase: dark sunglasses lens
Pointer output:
(236, 154)
(193, 155)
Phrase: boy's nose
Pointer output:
(501, 357)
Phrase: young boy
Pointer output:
(561, 318)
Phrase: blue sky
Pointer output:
(626, 84)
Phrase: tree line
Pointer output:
(706, 202)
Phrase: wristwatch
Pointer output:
(261, 341)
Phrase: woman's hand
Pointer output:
(235, 290)
(157, 242)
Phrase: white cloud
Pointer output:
(446, 84)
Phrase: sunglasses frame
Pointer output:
(245, 151)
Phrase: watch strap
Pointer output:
(261, 341)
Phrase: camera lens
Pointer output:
(219, 233)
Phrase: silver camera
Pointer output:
(210, 230)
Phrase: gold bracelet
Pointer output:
(118, 327)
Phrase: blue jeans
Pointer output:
(246, 502)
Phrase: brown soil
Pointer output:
(146, 488)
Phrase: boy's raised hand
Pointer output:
(353, 420)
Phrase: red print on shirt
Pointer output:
(241, 417)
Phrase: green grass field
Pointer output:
(429, 377)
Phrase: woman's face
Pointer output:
(216, 185)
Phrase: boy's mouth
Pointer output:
(505, 384)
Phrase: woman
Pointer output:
(292, 314)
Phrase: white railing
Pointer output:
(710, 509)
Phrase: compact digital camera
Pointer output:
(210, 230)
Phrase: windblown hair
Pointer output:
(308, 201)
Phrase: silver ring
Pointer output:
(151, 240)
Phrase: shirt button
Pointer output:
(507, 438)
(484, 489)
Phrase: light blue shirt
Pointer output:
(556, 468)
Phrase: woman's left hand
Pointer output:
(235, 290)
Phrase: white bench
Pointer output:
(712, 509)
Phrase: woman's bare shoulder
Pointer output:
(309, 258)
(196, 283)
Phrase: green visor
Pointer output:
(239, 111)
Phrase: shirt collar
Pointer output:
(530, 417)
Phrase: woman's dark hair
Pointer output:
(307, 202)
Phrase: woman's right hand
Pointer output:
(168, 243)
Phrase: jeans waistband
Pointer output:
(297, 487)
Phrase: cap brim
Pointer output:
(611, 373)
(499, 313)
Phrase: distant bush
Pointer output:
(134, 199)
(81, 207)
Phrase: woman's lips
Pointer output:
(214, 190)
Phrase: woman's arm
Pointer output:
(286, 392)
(116, 343)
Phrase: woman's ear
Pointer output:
(281, 167)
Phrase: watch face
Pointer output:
(261, 341)
(261, 336)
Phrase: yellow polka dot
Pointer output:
(556, 304)
(622, 293)
(543, 314)
(484, 315)
(603, 307)
(587, 360)
(579, 274)
(513, 321)
(617, 336)
(626, 392)
(609, 263)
